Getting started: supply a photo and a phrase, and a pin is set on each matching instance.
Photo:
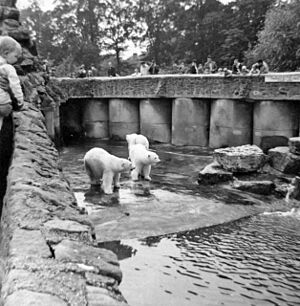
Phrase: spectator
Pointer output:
(236, 67)
(210, 66)
(244, 70)
(144, 69)
(260, 67)
(111, 72)
(193, 68)
(181, 68)
(94, 70)
(153, 69)
(200, 69)
(45, 66)
(136, 72)
(81, 72)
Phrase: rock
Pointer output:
(27, 298)
(7, 12)
(100, 296)
(56, 230)
(258, 187)
(93, 259)
(247, 158)
(29, 243)
(283, 160)
(213, 174)
(294, 145)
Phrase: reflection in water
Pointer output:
(253, 261)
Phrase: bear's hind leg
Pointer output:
(146, 172)
(94, 180)
(107, 181)
(117, 180)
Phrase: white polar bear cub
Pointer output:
(142, 160)
(99, 164)
(133, 139)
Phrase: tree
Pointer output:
(279, 41)
(119, 25)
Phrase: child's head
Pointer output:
(10, 49)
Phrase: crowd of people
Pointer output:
(209, 67)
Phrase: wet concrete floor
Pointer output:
(172, 202)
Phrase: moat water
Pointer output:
(171, 245)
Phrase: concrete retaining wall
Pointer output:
(47, 252)
(192, 110)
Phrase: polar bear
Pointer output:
(100, 165)
(142, 160)
(133, 139)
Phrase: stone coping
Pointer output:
(273, 86)
(47, 249)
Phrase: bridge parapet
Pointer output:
(198, 110)
(275, 87)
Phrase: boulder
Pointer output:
(283, 160)
(258, 187)
(7, 12)
(294, 145)
(213, 174)
(246, 158)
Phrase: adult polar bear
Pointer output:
(142, 160)
(99, 164)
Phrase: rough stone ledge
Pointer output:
(251, 88)
(47, 255)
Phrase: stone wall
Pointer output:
(47, 252)
(251, 88)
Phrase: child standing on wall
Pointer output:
(10, 52)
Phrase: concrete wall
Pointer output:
(47, 255)
(190, 110)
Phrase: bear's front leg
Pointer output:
(135, 173)
(117, 180)
(107, 181)
(146, 172)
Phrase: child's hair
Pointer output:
(8, 44)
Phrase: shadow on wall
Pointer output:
(6, 149)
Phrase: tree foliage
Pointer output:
(279, 41)
(86, 31)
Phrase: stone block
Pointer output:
(92, 259)
(56, 230)
(95, 118)
(26, 242)
(283, 160)
(274, 119)
(294, 145)
(230, 123)
(100, 296)
(123, 117)
(190, 122)
(156, 119)
(29, 298)
(213, 174)
(247, 158)
(258, 187)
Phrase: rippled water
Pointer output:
(254, 261)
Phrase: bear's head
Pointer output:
(130, 138)
(152, 158)
(125, 165)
